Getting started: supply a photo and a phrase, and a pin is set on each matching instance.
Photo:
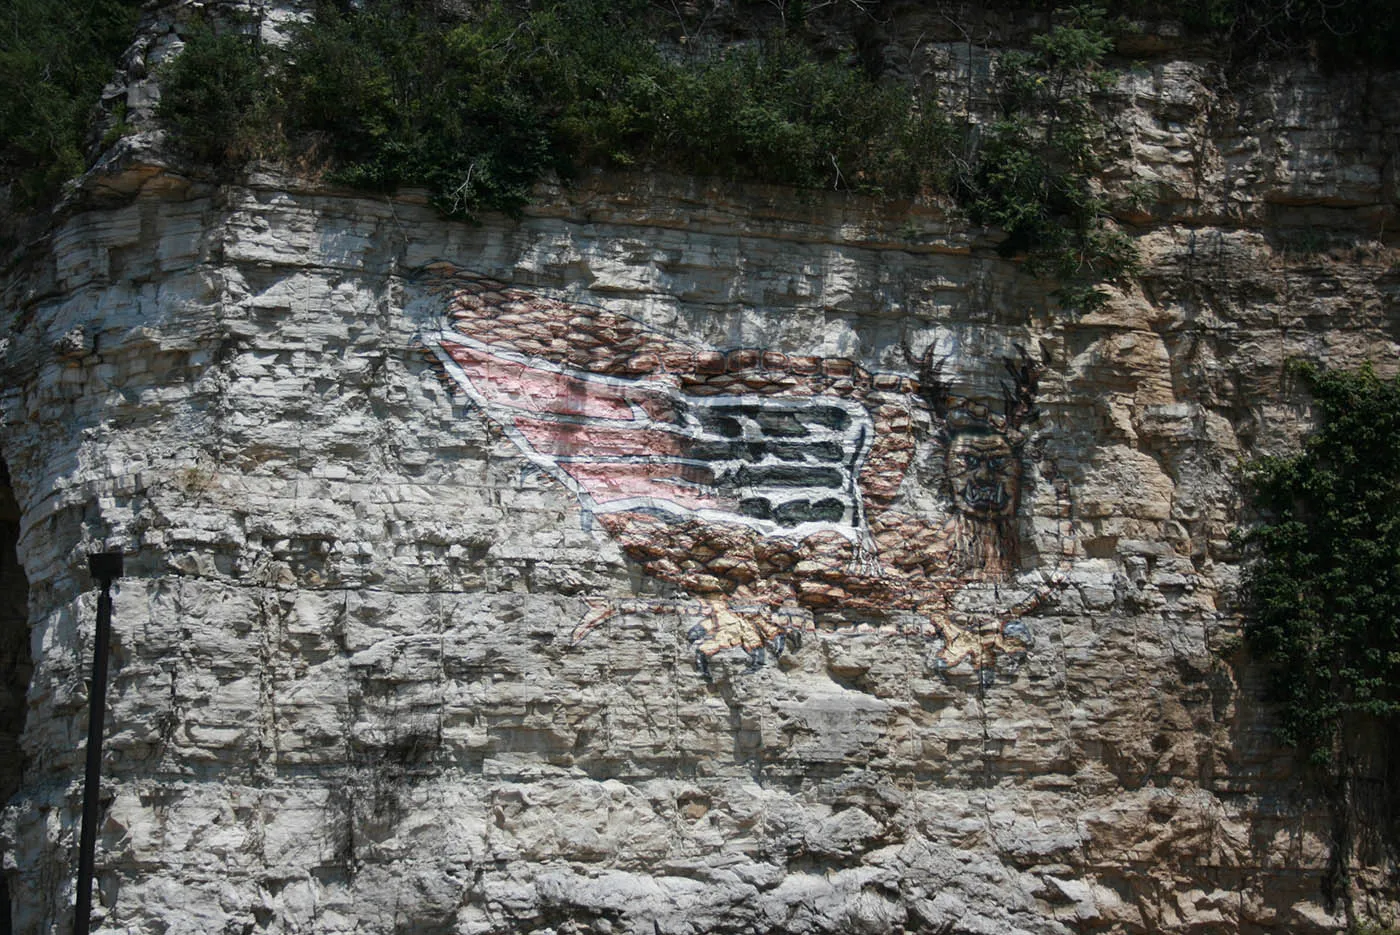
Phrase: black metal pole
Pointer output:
(104, 567)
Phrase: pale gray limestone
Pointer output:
(344, 694)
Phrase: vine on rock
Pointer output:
(1324, 603)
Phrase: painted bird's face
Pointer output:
(984, 471)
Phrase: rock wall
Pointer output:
(14, 653)
(378, 668)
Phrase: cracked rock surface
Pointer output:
(346, 694)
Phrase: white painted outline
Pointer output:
(858, 435)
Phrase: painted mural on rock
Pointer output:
(780, 494)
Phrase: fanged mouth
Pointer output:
(986, 496)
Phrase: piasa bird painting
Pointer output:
(779, 494)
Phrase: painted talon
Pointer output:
(757, 630)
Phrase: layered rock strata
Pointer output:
(348, 689)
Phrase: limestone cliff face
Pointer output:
(351, 690)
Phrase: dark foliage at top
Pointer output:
(54, 60)
(1325, 593)
(477, 108)
(477, 102)
(1324, 604)
(1343, 34)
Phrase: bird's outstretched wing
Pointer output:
(781, 466)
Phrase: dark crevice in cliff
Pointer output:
(15, 664)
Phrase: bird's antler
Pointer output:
(933, 389)
(1019, 396)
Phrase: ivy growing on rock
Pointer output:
(1324, 598)
(1325, 594)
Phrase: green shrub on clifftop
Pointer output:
(216, 97)
(478, 107)
(54, 60)
(1034, 175)
(394, 96)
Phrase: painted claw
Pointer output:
(758, 630)
(986, 646)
